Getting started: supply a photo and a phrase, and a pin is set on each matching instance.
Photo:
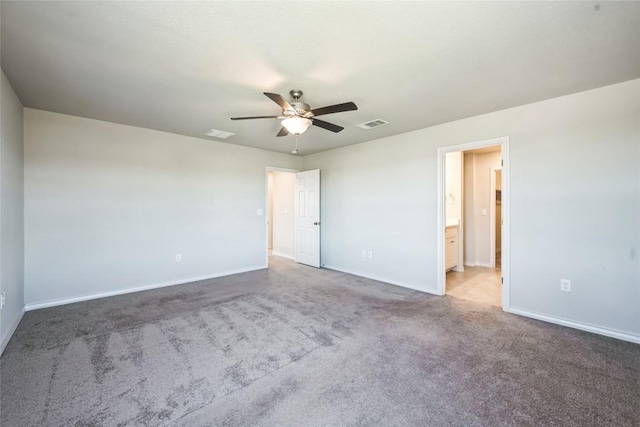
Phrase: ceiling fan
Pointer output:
(298, 116)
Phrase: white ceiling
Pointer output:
(187, 67)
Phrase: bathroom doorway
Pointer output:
(473, 218)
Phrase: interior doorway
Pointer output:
(472, 273)
(473, 237)
(280, 212)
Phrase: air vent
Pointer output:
(220, 134)
(373, 124)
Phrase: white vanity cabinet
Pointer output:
(450, 247)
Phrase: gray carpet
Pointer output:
(296, 346)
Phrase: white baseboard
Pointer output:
(483, 264)
(477, 264)
(379, 279)
(282, 255)
(12, 330)
(577, 325)
(63, 301)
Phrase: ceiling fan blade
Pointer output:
(254, 117)
(327, 125)
(283, 132)
(278, 99)
(338, 108)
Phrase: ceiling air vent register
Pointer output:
(373, 124)
(220, 134)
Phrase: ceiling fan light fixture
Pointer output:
(296, 125)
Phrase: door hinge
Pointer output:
(502, 280)
(501, 162)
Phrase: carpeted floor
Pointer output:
(296, 346)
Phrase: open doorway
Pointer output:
(280, 213)
(472, 222)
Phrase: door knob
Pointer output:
(316, 223)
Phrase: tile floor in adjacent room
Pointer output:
(478, 284)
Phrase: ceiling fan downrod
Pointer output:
(296, 94)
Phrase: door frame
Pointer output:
(503, 142)
(492, 218)
(268, 169)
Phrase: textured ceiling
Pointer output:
(187, 67)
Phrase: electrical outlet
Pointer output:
(565, 285)
(178, 257)
(370, 254)
(3, 300)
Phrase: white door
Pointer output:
(307, 217)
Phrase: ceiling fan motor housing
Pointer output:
(300, 107)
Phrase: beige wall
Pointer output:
(108, 207)
(453, 184)
(11, 210)
(477, 227)
(283, 217)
